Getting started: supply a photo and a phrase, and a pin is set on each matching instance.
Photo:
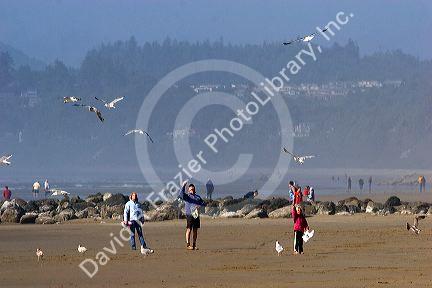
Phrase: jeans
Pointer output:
(136, 226)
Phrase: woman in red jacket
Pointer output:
(300, 226)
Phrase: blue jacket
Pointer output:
(133, 211)
(192, 201)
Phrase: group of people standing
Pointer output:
(37, 186)
(296, 194)
(361, 183)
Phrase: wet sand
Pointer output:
(347, 251)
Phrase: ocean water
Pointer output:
(323, 185)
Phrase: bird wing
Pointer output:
(151, 140)
(100, 100)
(99, 115)
(286, 151)
(129, 132)
(308, 157)
(304, 37)
(116, 100)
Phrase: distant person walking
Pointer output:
(7, 193)
(361, 184)
(133, 217)
(36, 188)
(192, 205)
(370, 184)
(349, 184)
(422, 183)
(210, 189)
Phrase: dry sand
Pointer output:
(347, 251)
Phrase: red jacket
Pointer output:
(298, 196)
(7, 194)
(300, 222)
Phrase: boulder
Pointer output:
(20, 202)
(246, 209)
(106, 196)
(211, 211)
(372, 207)
(167, 211)
(257, 213)
(339, 208)
(5, 205)
(45, 220)
(392, 201)
(352, 209)
(350, 201)
(82, 205)
(232, 205)
(106, 212)
(420, 208)
(89, 212)
(116, 199)
(28, 218)
(277, 203)
(284, 212)
(229, 214)
(12, 214)
(65, 215)
(326, 208)
(96, 198)
(32, 206)
(386, 211)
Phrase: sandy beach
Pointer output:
(347, 251)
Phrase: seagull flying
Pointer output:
(39, 254)
(298, 159)
(306, 38)
(139, 131)
(92, 109)
(71, 99)
(279, 248)
(81, 249)
(110, 105)
(4, 160)
(58, 192)
(414, 227)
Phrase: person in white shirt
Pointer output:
(46, 186)
(36, 188)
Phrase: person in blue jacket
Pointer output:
(133, 217)
(192, 205)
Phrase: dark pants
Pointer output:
(136, 226)
(298, 241)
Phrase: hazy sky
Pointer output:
(63, 29)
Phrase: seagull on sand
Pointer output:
(4, 160)
(306, 38)
(58, 192)
(92, 109)
(279, 248)
(139, 131)
(298, 159)
(110, 105)
(414, 227)
(39, 254)
(81, 249)
(71, 99)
